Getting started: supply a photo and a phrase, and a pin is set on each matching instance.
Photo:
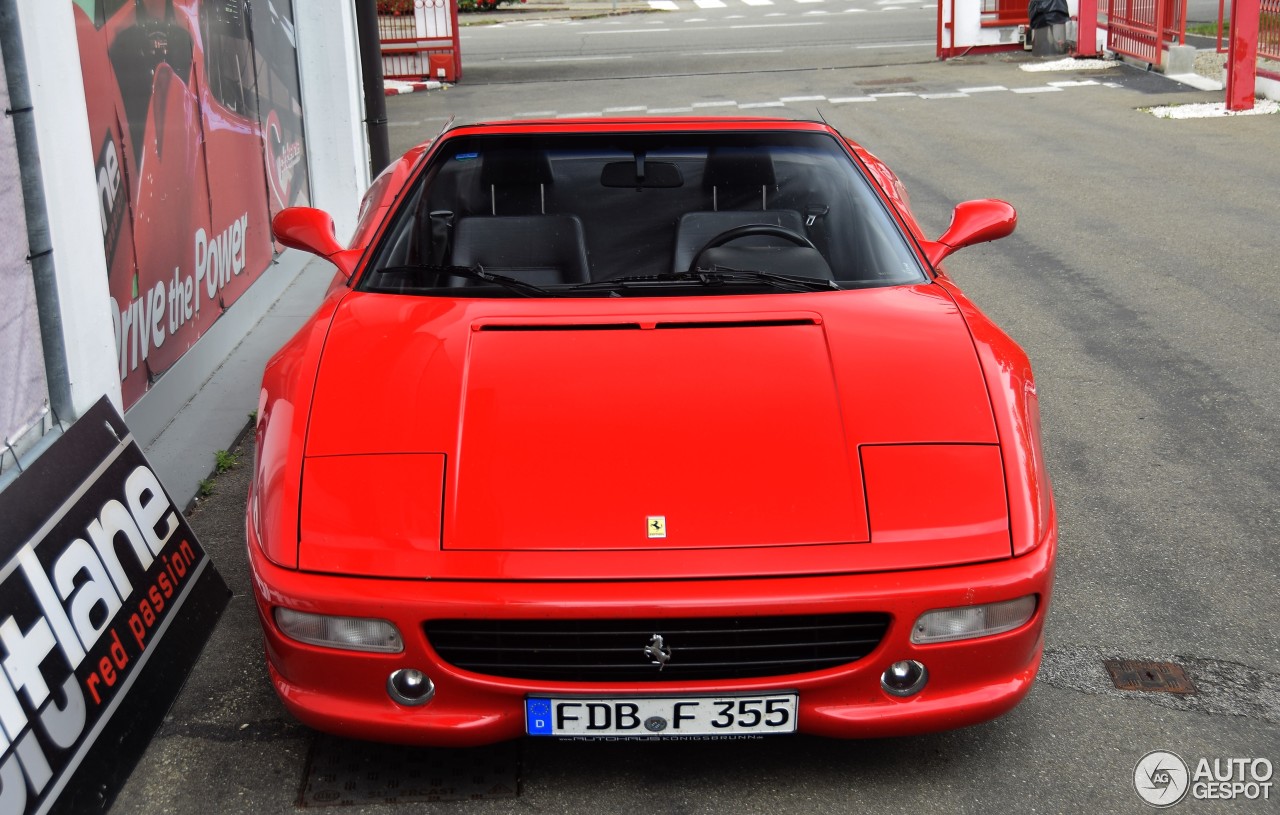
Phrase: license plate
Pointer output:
(660, 716)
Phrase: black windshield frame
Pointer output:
(558, 210)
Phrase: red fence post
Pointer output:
(1087, 29)
(1111, 22)
(1222, 8)
(1242, 58)
(1163, 7)
(1176, 22)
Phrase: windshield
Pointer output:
(607, 215)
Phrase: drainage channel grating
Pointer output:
(1159, 677)
(341, 772)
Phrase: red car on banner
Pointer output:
(646, 429)
(193, 109)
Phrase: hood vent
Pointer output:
(562, 327)
(640, 327)
(738, 323)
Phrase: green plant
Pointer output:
(395, 6)
(483, 5)
(224, 461)
(1267, 21)
(206, 488)
(1208, 29)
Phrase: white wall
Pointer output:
(333, 109)
(1267, 88)
(66, 167)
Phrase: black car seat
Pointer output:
(740, 181)
(518, 237)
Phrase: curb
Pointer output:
(542, 11)
(395, 87)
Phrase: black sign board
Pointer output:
(106, 600)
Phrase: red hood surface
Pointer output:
(684, 434)
(643, 436)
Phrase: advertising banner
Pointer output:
(106, 599)
(195, 116)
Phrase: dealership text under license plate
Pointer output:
(659, 716)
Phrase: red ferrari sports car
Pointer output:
(645, 428)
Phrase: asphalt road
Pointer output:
(731, 38)
(1144, 281)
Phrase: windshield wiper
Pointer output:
(476, 272)
(717, 276)
(796, 282)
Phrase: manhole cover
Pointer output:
(903, 90)
(895, 80)
(1132, 674)
(349, 773)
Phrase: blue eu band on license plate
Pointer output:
(660, 716)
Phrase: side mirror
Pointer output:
(986, 219)
(311, 230)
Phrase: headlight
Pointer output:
(350, 633)
(967, 622)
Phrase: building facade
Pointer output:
(145, 147)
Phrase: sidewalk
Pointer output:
(543, 10)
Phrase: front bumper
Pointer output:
(344, 692)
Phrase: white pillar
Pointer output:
(333, 109)
(67, 173)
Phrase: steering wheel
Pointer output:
(750, 230)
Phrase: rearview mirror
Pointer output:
(653, 174)
(986, 219)
(311, 230)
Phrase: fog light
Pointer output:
(349, 633)
(410, 687)
(904, 678)
(967, 622)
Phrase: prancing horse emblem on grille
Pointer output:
(658, 652)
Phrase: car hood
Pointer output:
(588, 438)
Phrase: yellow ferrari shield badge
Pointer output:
(657, 525)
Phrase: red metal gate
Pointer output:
(423, 44)
(1140, 28)
(1268, 29)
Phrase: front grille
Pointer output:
(614, 650)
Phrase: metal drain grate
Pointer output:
(351, 773)
(1158, 677)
